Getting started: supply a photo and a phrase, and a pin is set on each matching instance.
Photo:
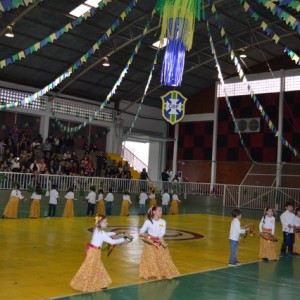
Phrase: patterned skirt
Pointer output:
(11, 208)
(174, 208)
(157, 262)
(101, 208)
(69, 209)
(125, 208)
(92, 275)
(35, 209)
(152, 203)
(297, 243)
(267, 248)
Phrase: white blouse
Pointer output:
(126, 198)
(154, 228)
(36, 196)
(267, 223)
(152, 196)
(70, 195)
(175, 197)
(109, 197)
(100, 236)
(143, 198)
(16, 193)
(91, 197)
(297, 221)
(100, 197)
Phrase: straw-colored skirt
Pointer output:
(174, 208)
(152, 203)
(101, 208)
(35, 209)
(92, 275)
(11, 208)
(267, 249)
(297, 243)
(69, 209)
(157, 262)
(125, 208)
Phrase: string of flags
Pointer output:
(268, 30)
(7, 5)
(282, 14)
(112, 92)
(51, 38)
(293, 4)
(143, 97)
(213, 50)
(243, 77)
(83, 59)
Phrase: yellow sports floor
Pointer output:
(38, 258)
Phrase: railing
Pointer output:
(133, 160)
(244, 196)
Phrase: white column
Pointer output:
(110, 139)
(175, 150)
(44, 124)
(213, 175)
(280, 128)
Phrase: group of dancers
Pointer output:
(290, 220)
(96, 202)
(156, 261)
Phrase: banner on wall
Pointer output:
(173, 107)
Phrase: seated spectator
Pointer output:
(47, 147)
(86, 148)
(94, 147)
(107, 172)
(42, 166)
(120, 167)
(126, 167)
(15, 164)
(67, 155)
(34, 167)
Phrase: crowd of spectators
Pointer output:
(19, 152)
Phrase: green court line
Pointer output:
(273, 280)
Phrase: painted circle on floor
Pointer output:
(171, 234)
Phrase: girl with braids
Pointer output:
(156, 260)
(297, 231)
(12, 206)
(92, 276)
(267, 249)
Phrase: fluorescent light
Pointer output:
(79, 10)
(243, 55)
(93, 3)
(157, 44)
(106, 62)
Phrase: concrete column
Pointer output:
(215, 141)
(175, 150)
(280, 128)
(44, 124)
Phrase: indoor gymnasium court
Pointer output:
(149, 149)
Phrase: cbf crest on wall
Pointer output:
(173, 107)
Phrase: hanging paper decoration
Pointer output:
(173, 107)
(6, 5)
(83, 59)
(51, 38)
(178, 24)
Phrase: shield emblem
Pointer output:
(173, 107)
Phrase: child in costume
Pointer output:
(91, 197)
(125, 204)
(92, 275)
(109, 202)
(142, 201)
(156, 260)
(152, 199)
(12, 206)
(35, 206)
(235, 231)
(287, 219)
(297, 232)
(100, 203)
(53, 201)
(69, 206)
(174, 205)
(267, 249)
(165, 201)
